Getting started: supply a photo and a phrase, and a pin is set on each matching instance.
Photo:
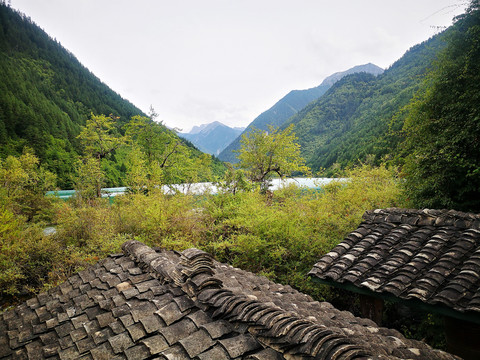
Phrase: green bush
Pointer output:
(161, 220)
(23, 185)
(26, 256)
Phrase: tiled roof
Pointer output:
(428, 255)
(147, 304)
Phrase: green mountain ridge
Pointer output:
(44, 87)
(289, 105)
(359, 118)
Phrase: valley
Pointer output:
(367, 138)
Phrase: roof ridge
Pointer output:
(424, 217)
(276, 327)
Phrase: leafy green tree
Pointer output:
(90, 178)
(155, 142)
(138, 177)
(443, 125)
(234, 181)
(98, 137)
(163, 158)
(264, 154)
(60, 159)
(99, 140)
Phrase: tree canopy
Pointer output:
(98, 136)
(23, 183)
(266, 153)
(160, 157)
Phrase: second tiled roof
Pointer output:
(429, 255)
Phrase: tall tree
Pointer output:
(166, 160)
(23, 182)
(98, 139)
(89, 179)
(98, 136)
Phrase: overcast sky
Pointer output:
(198, 61)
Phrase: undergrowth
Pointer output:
(279, 235)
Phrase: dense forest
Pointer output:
(441, 148)
(46, 97)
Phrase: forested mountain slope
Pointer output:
(290, 104)
(441, 150)
(353, 120)
(44, 90)
(46, 96)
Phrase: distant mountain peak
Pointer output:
(213, 137)
(368, 68)
(197, 129)
(291, 104)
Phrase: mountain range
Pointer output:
(360, 118)
(46, 96)
(290, 104)
(212, 138)
(354, 116)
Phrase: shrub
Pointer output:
(23, 184)
(161, 219)
(26, 255)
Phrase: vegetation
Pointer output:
(47, 97)
(258, 232)
(24, 182)
(442, 127)
(23, 207)
(264, 154)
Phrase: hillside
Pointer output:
(46, 96)
(44, 87)
(290, 104)
(441, 149)
(353, 121)
(212, 138)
